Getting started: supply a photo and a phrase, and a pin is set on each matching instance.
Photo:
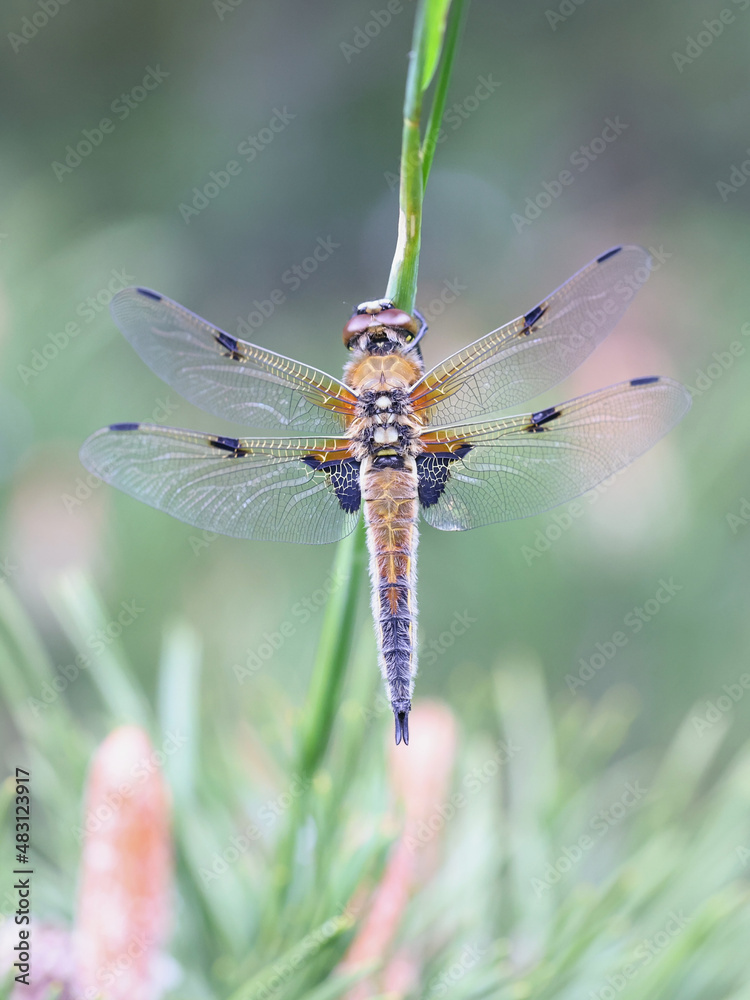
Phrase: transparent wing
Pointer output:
(241, 487)
(499, 471)
(536, 351)
(226, 376)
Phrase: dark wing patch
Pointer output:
(149, 294)
(344, 477)
(542, 417)
(433, 472)
(608, 254)
(232, 445)
(229, 344)
(124, 427)
(533, 317)
(646, 380)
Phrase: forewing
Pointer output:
(227, 376)
(264, 490)
(524, 465)
(536, 351)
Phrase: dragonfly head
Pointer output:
(379, 324)
(401, 709)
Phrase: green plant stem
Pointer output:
(450, 47)
(435, 25)
(416, 158)
(333, 651)
(402, 283)
(323, 699)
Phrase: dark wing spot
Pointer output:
(225, 340)
(124, 427)
(344, 479)
(433, 472)
(543, 417)
(229, 344)
(149, 294)
(231, 445)
(228, 444)
(533, 317)
(646, 380)
(608, 254)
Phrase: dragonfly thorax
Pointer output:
(382, 373)
(385, 428)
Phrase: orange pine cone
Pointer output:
(124, 900)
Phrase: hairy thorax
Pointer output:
(385, 429)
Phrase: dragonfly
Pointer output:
(390, 441)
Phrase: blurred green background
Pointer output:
(556, 588)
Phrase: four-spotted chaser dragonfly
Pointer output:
(390, 440)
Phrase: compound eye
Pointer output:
(397, 318)
(356, 325)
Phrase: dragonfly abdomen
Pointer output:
(391, 509)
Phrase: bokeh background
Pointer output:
(325, 176)
(548, 589)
